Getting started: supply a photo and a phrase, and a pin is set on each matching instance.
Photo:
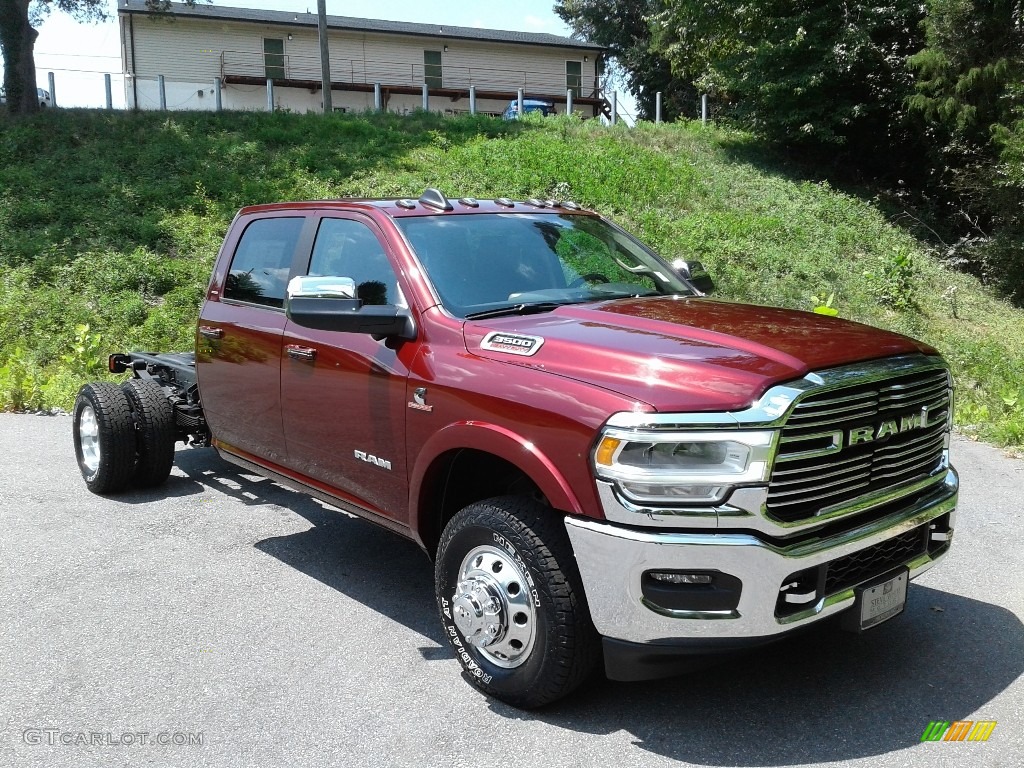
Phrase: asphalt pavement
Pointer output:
(222, 620)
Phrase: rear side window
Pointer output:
(259, 270)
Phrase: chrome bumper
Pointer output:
(613, 559)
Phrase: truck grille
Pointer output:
(841, 444)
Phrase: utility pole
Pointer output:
(325, 56)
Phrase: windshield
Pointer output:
(496, 263)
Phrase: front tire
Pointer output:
(512, 603)
(104, 437)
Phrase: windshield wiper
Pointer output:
(517, 309)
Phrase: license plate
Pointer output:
(882, 601)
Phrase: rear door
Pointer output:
(343, 394)
(238, 344)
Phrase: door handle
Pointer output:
(210, 332)
(300, 353)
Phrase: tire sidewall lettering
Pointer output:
(505, 544)
(463, 655)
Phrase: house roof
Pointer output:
(293, 19)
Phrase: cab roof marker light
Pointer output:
(504, 202)
(570, 205)
(535, 202)
(406, 203)
(470, 202)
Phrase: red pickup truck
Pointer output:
(602, 462)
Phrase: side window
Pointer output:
(259, 269)
(349, 248)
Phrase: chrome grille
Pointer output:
(841, 444)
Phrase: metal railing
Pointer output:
(361, 71)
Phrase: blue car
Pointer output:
(529, 105)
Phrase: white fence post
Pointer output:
(704, 109)
(378, 102)
(615, 107)
(53, 88)
(519, 101)
(218, 104)
(657, 107)
(472, 99)
(109, 90)
(270, 94)
(568, 101)
(426, 98)
(163, 92)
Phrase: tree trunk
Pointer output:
(17, 39)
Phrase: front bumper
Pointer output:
(613, 559)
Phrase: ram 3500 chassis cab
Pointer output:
(600, 460)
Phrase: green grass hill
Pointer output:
(110, 222)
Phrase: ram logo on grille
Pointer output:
(887, 428)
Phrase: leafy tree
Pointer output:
(970, 94)
(804, 72)
(18, 20)
(623, 27)
(973, 57)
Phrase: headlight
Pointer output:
(682, 467)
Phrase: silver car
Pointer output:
(44, 97)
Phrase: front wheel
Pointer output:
(512, 603)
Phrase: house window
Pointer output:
(432, 69)
(273, 57)
(574, 77)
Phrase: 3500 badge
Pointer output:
(512, 343)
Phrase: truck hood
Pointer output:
(680, 353)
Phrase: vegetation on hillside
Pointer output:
(926, 98)
(109, 223)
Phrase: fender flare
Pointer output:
(498, 441)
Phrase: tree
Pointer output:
(812, 72)
(970, 94)
(18, 20)
(973, 57)
(623, 27)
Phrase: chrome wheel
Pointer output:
(493, 606)
(89, 438)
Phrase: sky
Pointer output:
(80, 54)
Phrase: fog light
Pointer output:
(682, 578)
(708, 591)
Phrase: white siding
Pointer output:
(191, 50)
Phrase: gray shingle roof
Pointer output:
(293, 19)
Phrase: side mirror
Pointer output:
(694, 273)
(330, 304)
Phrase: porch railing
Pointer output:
(361, 71)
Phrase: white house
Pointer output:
(197, 48)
